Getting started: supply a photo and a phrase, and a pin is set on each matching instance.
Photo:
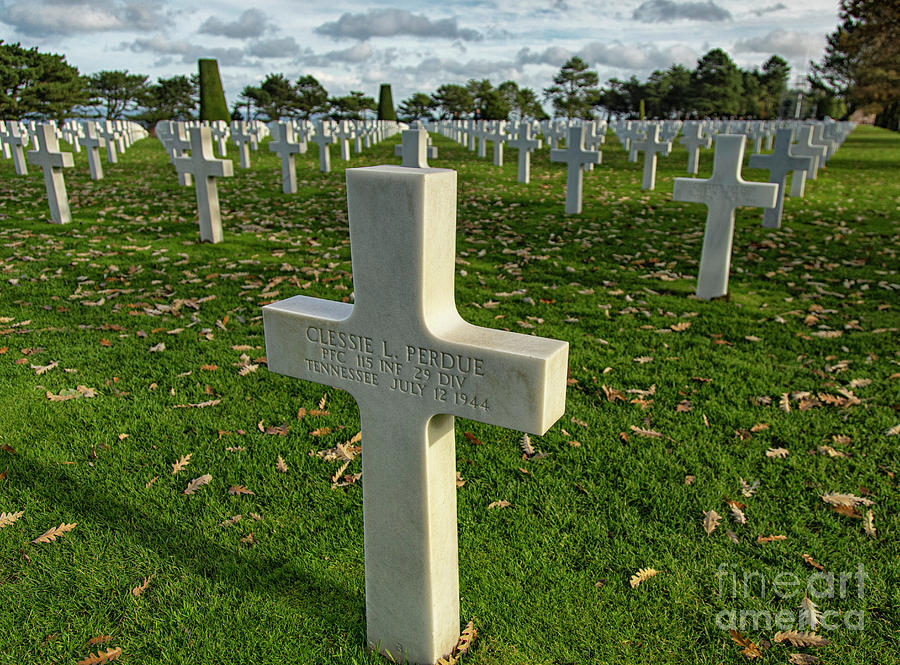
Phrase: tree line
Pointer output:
(860, 69)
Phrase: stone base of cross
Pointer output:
(412, 364)
(414, 149)
(721, 194)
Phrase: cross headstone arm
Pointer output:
(692, 190)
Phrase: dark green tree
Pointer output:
(386, 103)
(212, 96)
(37, 85)
(776, 74)
(275, 97)
(452, 101)
(312, 98)
(352, 106)
(415, 107)
(862, 59)
(717, 85)
(114, 92)
(174, 98)
(574, 91)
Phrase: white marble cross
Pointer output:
(471, 126)
(525, 144)
(806, 148)
(323, 138)
(16, 141)
(343, 134)
(181, 144)
(412, 363)
(219, 131)
(52, 161)
(108, 134)
(242, 136)
(414, 149)
(575, 156)
(91, 143)
(286, 147)
(693, 140)
(779, 164)
(497, 135)
(721, 194)
(482, 132)
(205, 168)
(651, 147)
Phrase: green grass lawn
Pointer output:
(672, 401)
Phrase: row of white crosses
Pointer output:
(190, 148)
(44, 138)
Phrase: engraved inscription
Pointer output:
(418, 371)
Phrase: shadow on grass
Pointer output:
(245, 570)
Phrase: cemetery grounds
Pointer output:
(132, 361)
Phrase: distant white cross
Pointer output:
(414, 149)
(721, 194)
(16, 141)
(286, 147)
(91, 143)
(524, 143)
(242, 137)
(779, 164)
(693, 140)
(575, 156)
(205, 168)
(651, 147)
(806, 148)
(323, 138)
(52, 161)
(412, 363)
(108, 134)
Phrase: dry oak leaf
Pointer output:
(280, 465)
(850, 500)
(809, 614)
(101, 657)
(812, 562)
(645, 432)
(474, 440)
(710, 521)
(197, 483)
(320, 431)
(642, 575)
(239, 489)
(8, 518)
(525, 445)
(803, 659)
(780, 453)
(749, 489)
(797, 639)
(770, 539)
(52, 533)
(750, 650)
(462, 645)
(100, 639)
(869, 524)
(181, 463)
(140, 588)
(503, 503)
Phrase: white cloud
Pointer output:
(664, 11)
(276, 47)
(71, 17)
(787, 43)
(390, 22)
(252, 23)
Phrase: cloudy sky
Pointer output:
(412, 44)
